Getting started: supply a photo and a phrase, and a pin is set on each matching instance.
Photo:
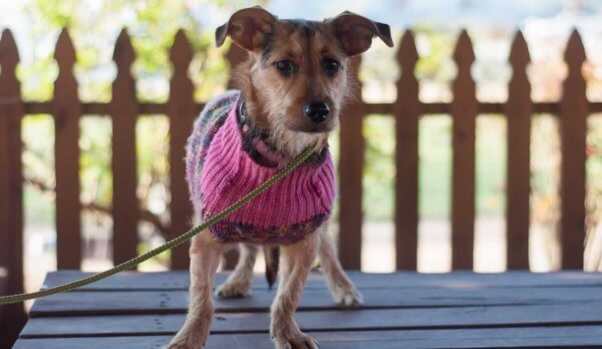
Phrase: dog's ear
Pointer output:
(248, 28)
(356, 32)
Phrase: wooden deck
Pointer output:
(402, 310)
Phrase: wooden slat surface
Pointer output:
(66, 110)
(519, 110)
(535, 337)
(464, 109)
(181, 111)
(124, 112)
(406, 156)
(351, 164)
(573, 131)
(174, 302)
(179, 280)
(335, 320)
(405, 309)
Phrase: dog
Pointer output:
(291, 91)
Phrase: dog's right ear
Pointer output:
(356, 32)
(248, 28)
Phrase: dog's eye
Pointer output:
(286, 68)
(330, 66)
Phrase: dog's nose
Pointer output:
(316, 111)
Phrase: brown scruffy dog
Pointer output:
(291, 92)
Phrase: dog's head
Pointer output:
(297, 77)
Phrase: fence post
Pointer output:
(574, 109)
(351, 164)
(464, 109)
(519, 110)
(407, 114)
(181, 111)
(11, 187)
(124, 112)
(66, 109)
(235, 56)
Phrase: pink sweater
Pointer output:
(284, 214)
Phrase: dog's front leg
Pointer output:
(204, 259)
(341, 288)
(298, 259)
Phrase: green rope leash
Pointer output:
(17, 298)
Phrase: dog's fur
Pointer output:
(274, 102)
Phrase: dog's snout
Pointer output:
(316, 111)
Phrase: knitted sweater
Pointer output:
(219, 172)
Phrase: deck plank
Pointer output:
(405, 309)
(334, 320)
(179, 280)
(175, 302)
(534, 337)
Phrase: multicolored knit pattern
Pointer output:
(219, 172)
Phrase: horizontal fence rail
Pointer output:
(388, 109)
(181, 109)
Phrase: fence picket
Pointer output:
(407, 111)
(11, 186)
(235, 56)
(464, 109)
(519, 110)
(351, 164)
(181, 111)
(573, 129)
(66, 110)
(124, 111)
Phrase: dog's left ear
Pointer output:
(248, 28)
(356, 32)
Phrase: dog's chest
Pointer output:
(284, 214)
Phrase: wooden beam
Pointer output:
(573, 131)
(124, 113)
(351, 165)
(66, 109)
(407, 114)
(464, 109)
(181, 112)
(11, 189)
(519, 110)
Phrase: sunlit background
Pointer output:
(94, 26)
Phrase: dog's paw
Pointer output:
(347, 295)
(233, 290)
(301, 341)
